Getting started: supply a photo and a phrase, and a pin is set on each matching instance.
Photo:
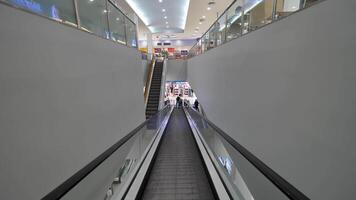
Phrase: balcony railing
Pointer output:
(99, 17)
(244, 16)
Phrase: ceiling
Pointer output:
(176, 25)
(197, 10)
(192, 29)
(162, 16)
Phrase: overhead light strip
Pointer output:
(185, 13)
(139, 11)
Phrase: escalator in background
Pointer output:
(155, 89)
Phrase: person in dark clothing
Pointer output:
(196, 105)
(178, 101)
(181, 100)
(171, 88)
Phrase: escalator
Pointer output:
(155, 89)
(176, 154)
(178, 171)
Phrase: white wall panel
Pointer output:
(65, 97)
(287, 92)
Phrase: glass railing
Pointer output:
(109, 176)
(99, 17)
(244, 175)
(244, 16)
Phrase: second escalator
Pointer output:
(155, 90)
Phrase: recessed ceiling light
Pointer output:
(165, 17)
(160, 1)
(163, 10)
(200, 23)
(91, 0)
(117, 19)
(166, 22)
(203, 17)
(208, 8)
(105, 11)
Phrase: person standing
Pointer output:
(171, 88)
(177, 101)
(196, 105)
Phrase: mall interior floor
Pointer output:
(178, 170)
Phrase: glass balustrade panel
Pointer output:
(131, 34)
(234, 20)
(62, 11)
(205, 41)
(257, 13)
(242, 179)
(308, 3)
(212, 37)
(221, 30)
(93, 16)
(116, 24)
(110, 179)
(287, 7)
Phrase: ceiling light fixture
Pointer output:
(163, 10)
(208, 8)
(166, 22)
(165, 17)
(203, 17)
(160, 1)
(200, 23)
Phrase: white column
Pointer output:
(149, 43)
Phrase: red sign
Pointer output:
(171, 50)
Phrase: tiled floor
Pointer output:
(178, 171)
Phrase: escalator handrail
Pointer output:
(71, 182)
(283, 185)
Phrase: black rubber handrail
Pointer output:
(284, 186)
(71, 182)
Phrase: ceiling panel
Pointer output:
(162, 16)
